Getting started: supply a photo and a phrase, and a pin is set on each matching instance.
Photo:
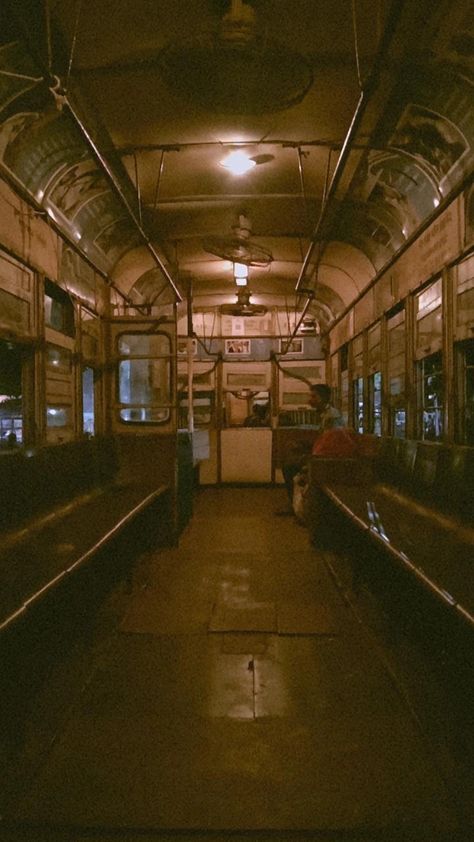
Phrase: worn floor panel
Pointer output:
(239, 692)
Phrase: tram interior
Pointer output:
(206, 208)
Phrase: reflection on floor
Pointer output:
(239, 693)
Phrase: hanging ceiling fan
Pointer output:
(236, 69)
(239, 248)
(243, 306)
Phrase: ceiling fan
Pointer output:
(243, 306)
(239, 248)
(235, 68)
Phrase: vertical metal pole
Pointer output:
(158, 180)
(303, 186)
(137, 187)
(190, 358)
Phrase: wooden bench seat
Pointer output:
(76, 507)
(414, 501)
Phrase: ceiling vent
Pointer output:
(236, 69)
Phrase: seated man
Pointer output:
(328, 418)
(258, 418)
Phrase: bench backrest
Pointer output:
(35, 480)
(439, 474)
(454, 483)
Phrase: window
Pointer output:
(358, 409)
(58, 309)
(358, 403)
(465, 296)
(90, 327)
(396, 374)
(58, 359)
(88, 401)
(203, 406)
(375, 403)
(144, 378)
(11, 414)
(58, 416)
(429, 319)
(430, 390)
(344, 401)
(374, 348)
(465, 408)
(14, 312)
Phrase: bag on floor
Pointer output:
(300, 487)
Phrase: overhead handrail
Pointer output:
(367, 90)
(63, 100)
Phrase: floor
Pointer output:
(239, 696)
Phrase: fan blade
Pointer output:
(238, 251)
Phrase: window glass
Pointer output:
(58, 416)
(58, 309)
(58, 359)
(144, 344)
(203, 403)
(429, 317)
(465, 293)
(11, 415)
(88, 402)
(144, 415)
(144, 378)
(396, 374)
(358, 403)
(375, 398)
(344, 403)
(430, 382)
(14, 312)
(374, 348)
(465, 392)
(144, 381)
(469, 394)
(90, 326)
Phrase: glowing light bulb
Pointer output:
(238, 163)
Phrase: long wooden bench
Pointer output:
(415, 501)
(59, 507)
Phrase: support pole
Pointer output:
(190, 350)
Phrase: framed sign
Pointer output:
(237, 347)
(295, 346)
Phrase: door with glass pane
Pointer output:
(144, 374)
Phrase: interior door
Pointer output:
(142, 399)
(143, 375)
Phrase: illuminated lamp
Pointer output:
(238, 163)
(241, 273)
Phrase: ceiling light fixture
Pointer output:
(238, 163)
(241, 273)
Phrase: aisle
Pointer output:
(239, 693)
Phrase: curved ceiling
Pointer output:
(127, 163)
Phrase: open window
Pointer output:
(11, 408)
